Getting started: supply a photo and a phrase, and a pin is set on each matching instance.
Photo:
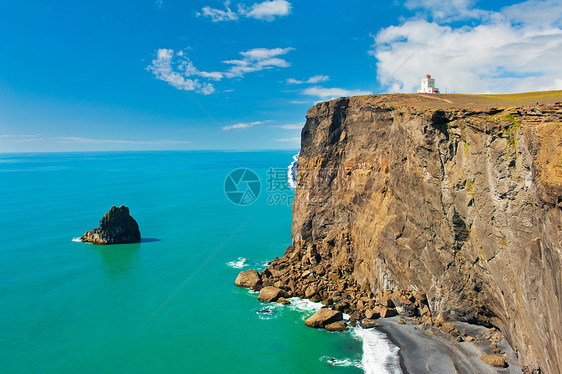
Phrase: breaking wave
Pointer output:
(380, 356)
(292, 172)
(238, 264)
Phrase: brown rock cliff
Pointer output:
(456, 198)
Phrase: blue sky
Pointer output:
(170, 74)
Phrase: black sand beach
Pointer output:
(425, 350)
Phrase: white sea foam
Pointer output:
(304, 306)
(77, 240)
(346, 362)
(239, 264)
(268, 312)
(380, 356)
(292, 172)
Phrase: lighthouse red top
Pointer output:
(428, 76)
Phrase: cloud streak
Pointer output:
(255, 60)
(332, 93)
(312, 80)
(264, 11)
(81, 140)
(292, 126)
(218, 15)
(243, 125)
(18, 138)
(289, 140)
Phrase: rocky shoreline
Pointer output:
(283, 280)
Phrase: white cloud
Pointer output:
(218, 15)
(178, 70)
(257, 59)
(266, 11)
(312, 80)
(77, 139)
(332, 93)
(446, 10)
(175, 69)
(535, 12)
(509, 51)
(291, 126)
(158, 3)
(243, 125)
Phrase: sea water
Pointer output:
(167, 304)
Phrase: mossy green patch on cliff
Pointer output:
(506, 126)
(511, 133)
(469, 185)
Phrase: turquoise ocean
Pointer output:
(169, 303)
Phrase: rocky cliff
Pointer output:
(116, 227)
(443, 194)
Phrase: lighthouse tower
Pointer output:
(428, 85)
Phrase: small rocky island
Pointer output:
(116, 227)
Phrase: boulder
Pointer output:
(388, 312)
(447, 327)
(310, 291)
(386, 301)
(494, 360)
(116, 227)
(323, 317)
(404, 305)
(336, 326)
(372, 314)
(341, 306)
(356, 315)
(248, 278)
(368, 323)
(283, 301)
(270, 294)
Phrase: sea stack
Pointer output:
(116, 227)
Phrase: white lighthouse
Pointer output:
(428, 85)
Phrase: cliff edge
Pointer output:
(457, 196)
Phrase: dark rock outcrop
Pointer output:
(116, 227)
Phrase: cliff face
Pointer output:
(460, 201)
